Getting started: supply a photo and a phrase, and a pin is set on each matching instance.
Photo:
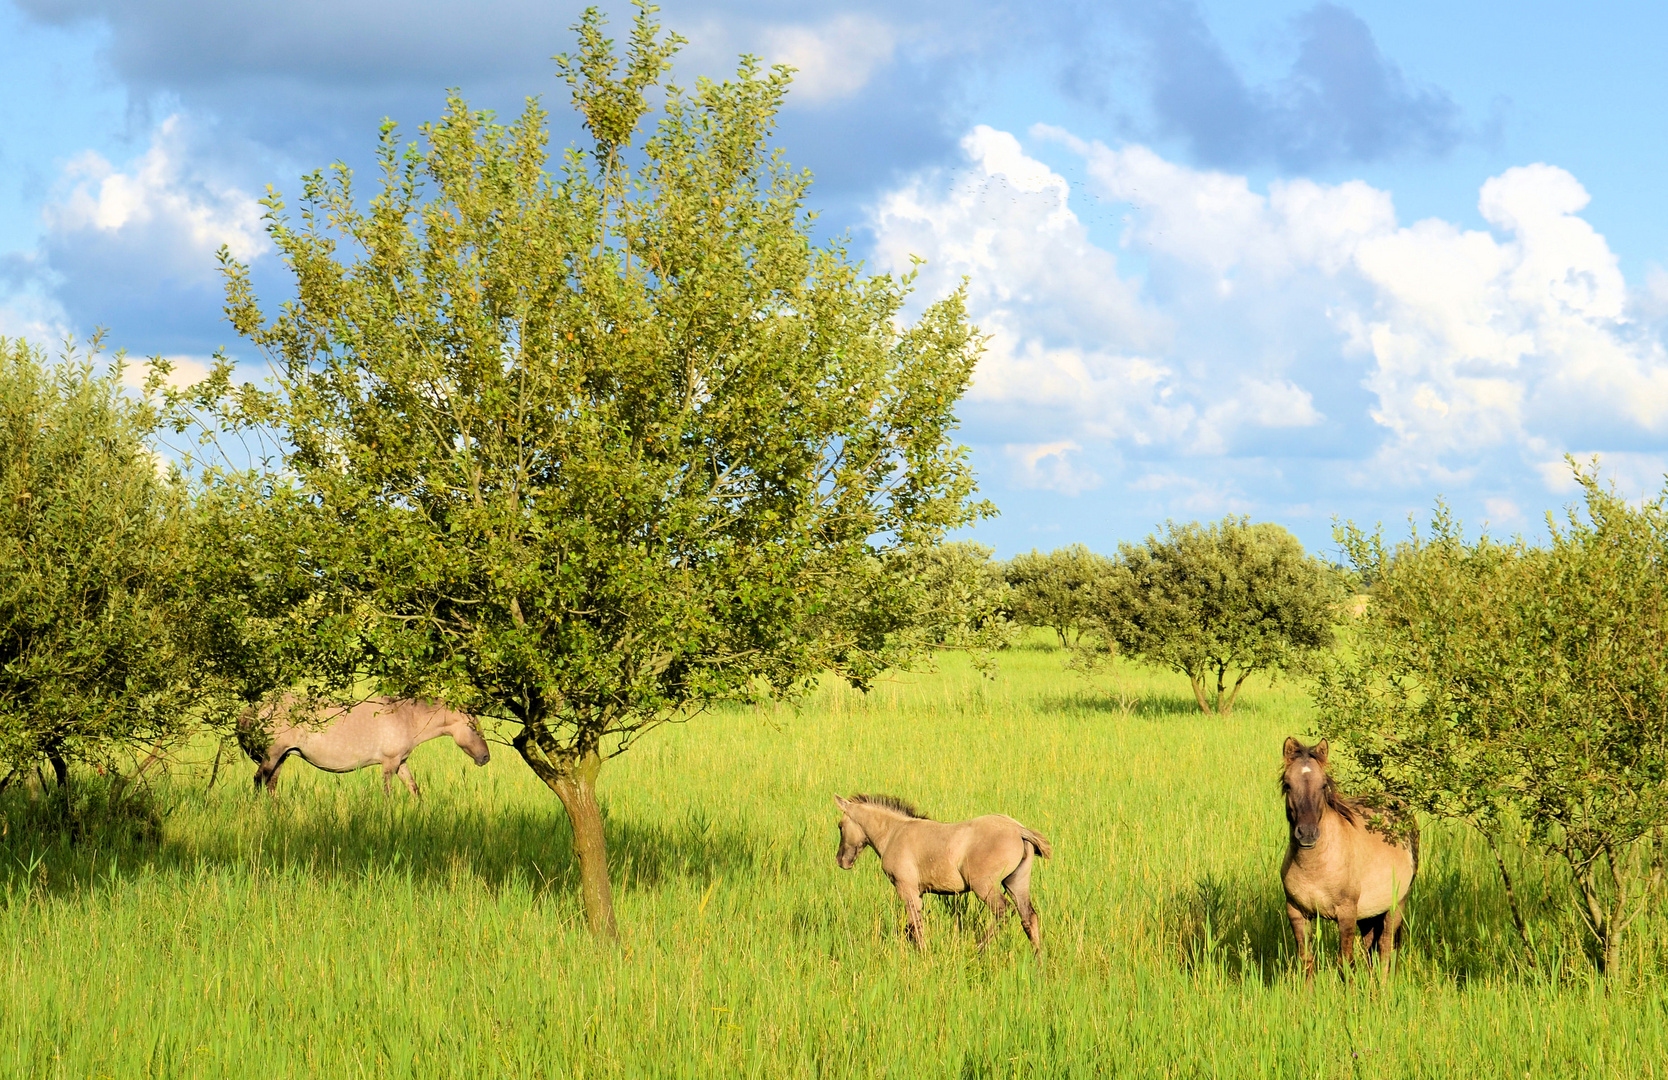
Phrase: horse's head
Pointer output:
(852, 836)
(467, 734)
(1305, 783)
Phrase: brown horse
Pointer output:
(377, 731)
(982, 856)
(1346, 861)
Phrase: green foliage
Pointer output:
(959, 598)
(91, 603)
(595, 450)
(1222, 600)
(1054, 589)
(1523, 690)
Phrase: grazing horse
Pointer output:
(1346, 861)
(377, 731)
(982, 856)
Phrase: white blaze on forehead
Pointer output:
(1307, 769)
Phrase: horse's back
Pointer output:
(342, 739)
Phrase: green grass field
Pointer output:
(333, 933)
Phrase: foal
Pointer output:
(982, 856)
(1345, 861)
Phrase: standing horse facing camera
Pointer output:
(982, 856)
(1345, 861)
(376, 731)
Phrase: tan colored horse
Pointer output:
(982, 856)
(1345, 861)
(343, 738)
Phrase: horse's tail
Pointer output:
(1039, 843)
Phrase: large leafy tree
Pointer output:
(1217, 603)
(597, 449)
(1523, 690)
(92, 659)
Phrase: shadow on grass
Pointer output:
(63, 846)
(1147, 705)
(1230, 926)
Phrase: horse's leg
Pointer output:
(1018, 885)
(991, 894)
(1346, 933)
(1300, 927)
(910, 894)
(1372, 929)
(1390, 939)
(410, 781)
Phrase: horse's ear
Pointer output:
(1319, 752)
(841, 803)
(1291, 749)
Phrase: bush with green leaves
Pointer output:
(960, 598)
(1054, 589)
(92, 600)
(1523, 690)
(1215, 602)
(594, 450)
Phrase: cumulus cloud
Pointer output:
(1050, 467)
(1299, 322)
(132, 246)
(156, 192)
(836, 58)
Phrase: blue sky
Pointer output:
(1292, 260)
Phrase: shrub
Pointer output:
(1216, 603)
(1523, 690)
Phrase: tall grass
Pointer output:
(331, 932)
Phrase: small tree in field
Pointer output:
(1523, 690)
(1054, 589)
(1216, 603)
(598, 449)
(91, 659)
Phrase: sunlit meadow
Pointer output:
(331, 932)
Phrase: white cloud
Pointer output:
(835, 58)
(1049, 467)
(1636, 475)
(158, 190)
(37, 319)
(184, 371)
(154, 191)
(1416, 353)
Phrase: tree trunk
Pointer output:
(573, 777)
(1511, 897)
(1198, 682)
(1233, 695)
(60, 768)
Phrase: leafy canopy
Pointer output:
(1222, 600)
(1523, 690)
(92, 660)
(1053, 589)
(595, 448)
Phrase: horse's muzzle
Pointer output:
(483, 759)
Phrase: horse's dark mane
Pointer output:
(1348, 809)
(891, 802)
